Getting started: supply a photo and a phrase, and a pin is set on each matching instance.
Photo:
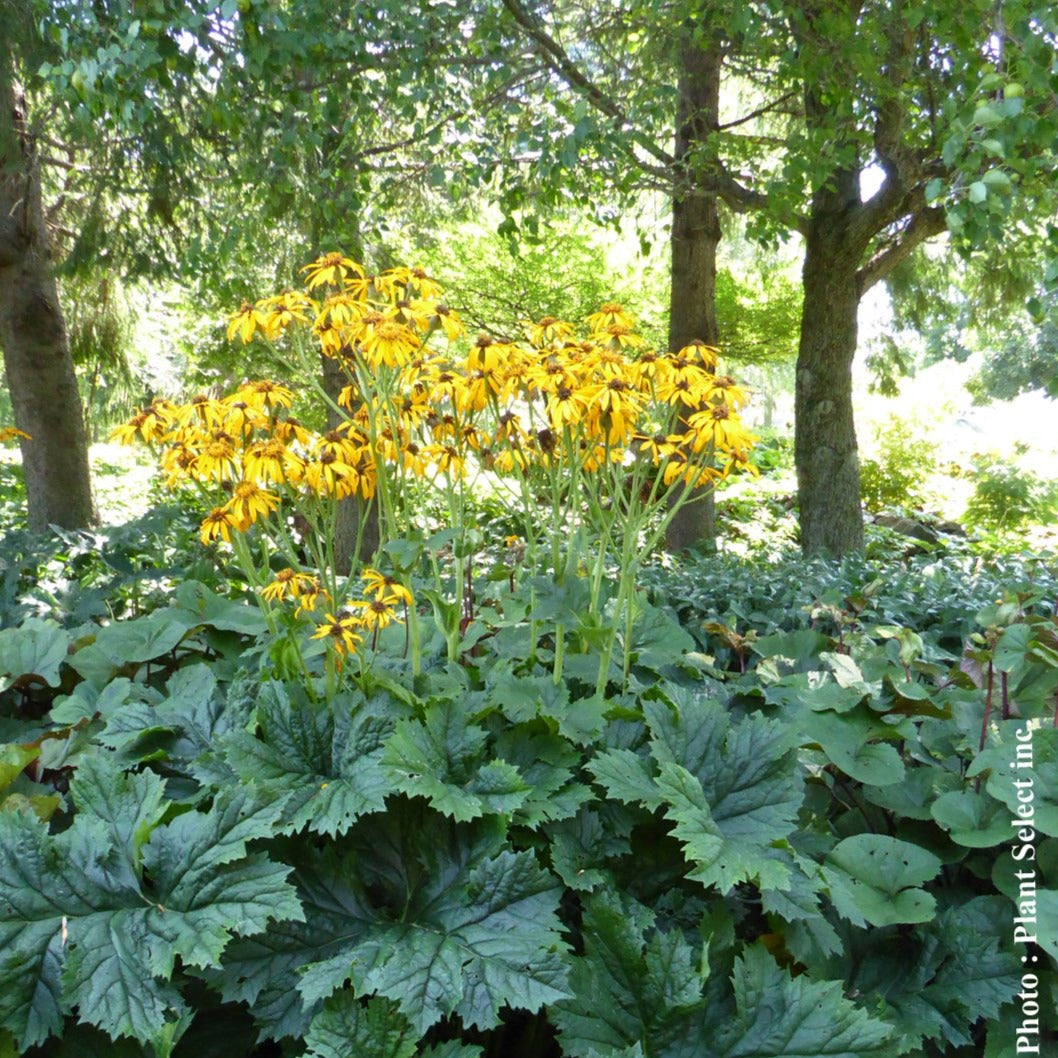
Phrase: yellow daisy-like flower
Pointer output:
(327, 476)
(697, 352)
(720, 426)
(309, 594)
(659, 447)
(449, 321)
(331, 268)
(247, 320)
(611, 313)
(620, 334)
(151, 424)
(340, 310)
(285, 308)
(617, 406)
(487, 354)
(566, 406)
(288, 583)
(383, 586)
(547, 330)
(218, 523)
(11, 433)
(216, 461)
(379, 612)
(265, 393)
(250, 502)
(290, 429)
(390, 343)
(271, 460)
(341, 632)
(729, 391)
(426, 287)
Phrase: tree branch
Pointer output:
(567, 69)
(759, 112)
(922, 226)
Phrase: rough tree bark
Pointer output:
(695, 237)
(825, 448)
(40, 373)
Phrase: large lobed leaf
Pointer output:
(96, 916)
(436, 916)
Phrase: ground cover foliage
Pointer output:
(780, 835)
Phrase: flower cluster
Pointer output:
(563, 405)
(501, 406)
(12, 433)
(383, 598)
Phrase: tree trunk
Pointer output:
(40, 373)
(695, 236)
(828, 468)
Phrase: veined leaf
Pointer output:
(347, 1025)
(443, 760)
(732, 789)
(439, 917)
(94, 917)
(322, 761)
(874, 878)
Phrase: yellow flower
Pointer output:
(340, 632)
(697, 352)
(308, 594)
(721, 427)
(284, 309)
(617, 407)
(327, 476)
(151, 424)
(610, 313)
(330, 268)
(382, 586)
(271, 460)
(618, 333)
(10, 433)
(659, 446)
(216, 461)
(248, 319)
(379, 612)
(390, 343)
(290, 429)
(218, 522)
(250, 502)
(547, 330)
(265, 393)
(449, 321)
(486, 354)
(288, 582)
(729, 391)
(566, 407)
(340, 310)
(427, 288)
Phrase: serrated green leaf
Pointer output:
(442, 759)
(749, 787)
(779, 1016)
(95, 916)
(437, 916)
(347, 1025)
(627, 989)
(321, 761)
